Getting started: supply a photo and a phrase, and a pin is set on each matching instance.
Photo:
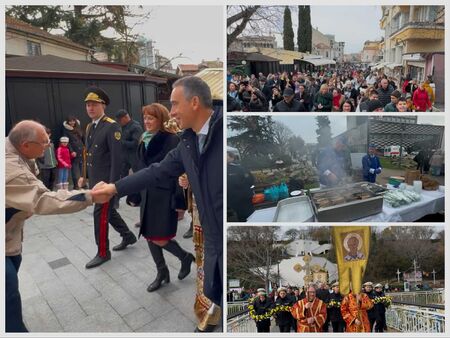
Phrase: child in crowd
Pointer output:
(64, 163)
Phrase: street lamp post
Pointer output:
(434, 277)
(398, 275)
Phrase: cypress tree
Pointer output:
(288, 32)
(304, 30)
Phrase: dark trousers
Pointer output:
(76, 170)
(326, 325)
(372, 322)
(380, 325)
(111, 216)
(48, 177)
(130, 162)
(338, 326)
(263, 325)
(285, 327)
(294, 324)
(14, 320)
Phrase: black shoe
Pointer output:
(125, 242)
(209, 328)
(186, 266)
(162, 276)
(188, 234)
(97, 260)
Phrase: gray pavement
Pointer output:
(60, 295)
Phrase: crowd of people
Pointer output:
(341, 89)
(320, 308)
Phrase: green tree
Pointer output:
(87, 25)
(288, 32)
(254, 138)
(304, 30)
(323, 131)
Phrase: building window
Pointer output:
(34, 48)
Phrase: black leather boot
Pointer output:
(163, 271)
(129, 239)
(185, 257)
(97, 260)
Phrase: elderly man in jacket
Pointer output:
(26, 195)
(200, 155)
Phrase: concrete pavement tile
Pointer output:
(100, 322)
(37, 267)
(38, 316)
(27, 286)
(183, 301)
(63, 304)
(138, 318)
(158, 305)
(119, 299)
(78, 285)
(165, 323)
(96, 305)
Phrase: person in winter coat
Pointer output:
(200, 155)
(159, 218)
(64, 163)
(371, 165)
(72, 130)
(323, 101)
(334, 309)
(289, 103)
(392, 106)
(380, 310)
(262, 305)
(421, 99)
(239, 189)
(384, 92)
(284, 318)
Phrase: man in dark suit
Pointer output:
(200, 155)
(103, 163)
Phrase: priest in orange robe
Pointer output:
(310, 312)
(354, 311)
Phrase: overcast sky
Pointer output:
(351, 24)
(305, 126)
(194, 31)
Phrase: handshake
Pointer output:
(102, 192)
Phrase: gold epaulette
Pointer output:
(108, 119)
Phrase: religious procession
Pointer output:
(319, 280)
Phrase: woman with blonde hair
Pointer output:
(159, 204)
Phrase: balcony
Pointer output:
(426, 30)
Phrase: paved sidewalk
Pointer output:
(60, 295)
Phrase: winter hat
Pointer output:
(64, 139)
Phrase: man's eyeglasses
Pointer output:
(44, 144)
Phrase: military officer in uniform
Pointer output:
(103, 163)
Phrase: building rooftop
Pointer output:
(13, 24)
(55, 66)
(214, 78)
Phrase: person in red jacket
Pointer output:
(421, 99)
(64, 163)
